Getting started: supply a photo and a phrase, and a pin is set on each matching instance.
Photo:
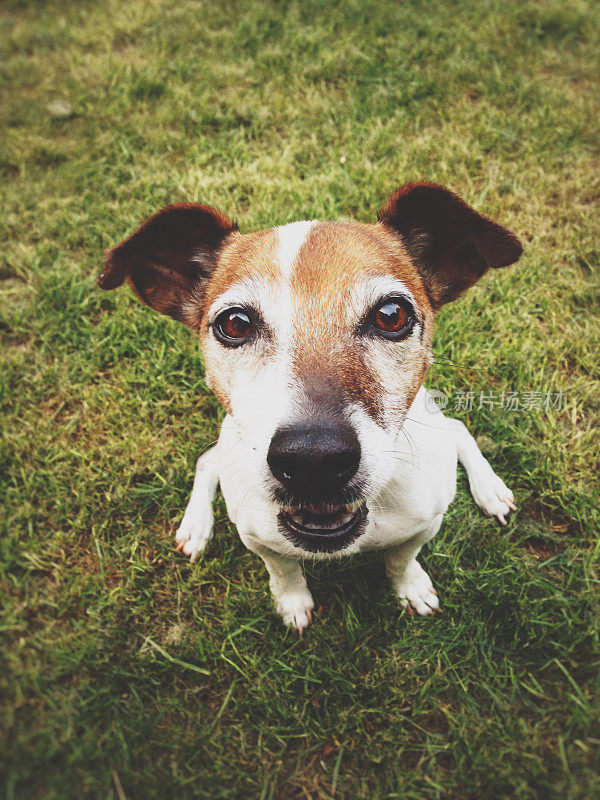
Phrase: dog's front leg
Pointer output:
(411, 583)
(197, 524)
(293, 601)
(489, 491)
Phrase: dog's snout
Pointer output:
(316, 458)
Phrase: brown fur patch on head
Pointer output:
(251, 257)
(248, 256)
(334, 259)
(336, 255)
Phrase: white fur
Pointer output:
(196, 527)
(291, 239)
(418, 480)
(408, 457)
(376, 287)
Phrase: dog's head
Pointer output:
(316, 336)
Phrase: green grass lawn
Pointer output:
(129, 673)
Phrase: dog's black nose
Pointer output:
(314, 458)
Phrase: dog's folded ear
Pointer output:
(451, 245)
(170, 258)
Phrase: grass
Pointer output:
(128, 672)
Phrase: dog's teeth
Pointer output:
(322, 517)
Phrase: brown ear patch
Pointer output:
(451, 244)
(170, 258)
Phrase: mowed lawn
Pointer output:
(129, 673)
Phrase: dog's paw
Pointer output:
(295, 608)
(194, 532)
(492, 495)
(415, 590)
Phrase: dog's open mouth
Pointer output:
(322, 527)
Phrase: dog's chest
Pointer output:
(411, 501)
(423, 484)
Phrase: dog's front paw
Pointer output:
(194, 532)
(416, 591)
(492, 495)
(295, 608)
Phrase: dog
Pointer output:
(316, 338)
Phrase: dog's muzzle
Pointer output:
(314, 464)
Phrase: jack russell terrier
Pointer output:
(316, 338)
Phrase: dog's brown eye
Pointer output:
(392, 319)
(233, 327)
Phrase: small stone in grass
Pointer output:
(60, 109)
(175, 634)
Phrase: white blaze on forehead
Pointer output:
(291, 239)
